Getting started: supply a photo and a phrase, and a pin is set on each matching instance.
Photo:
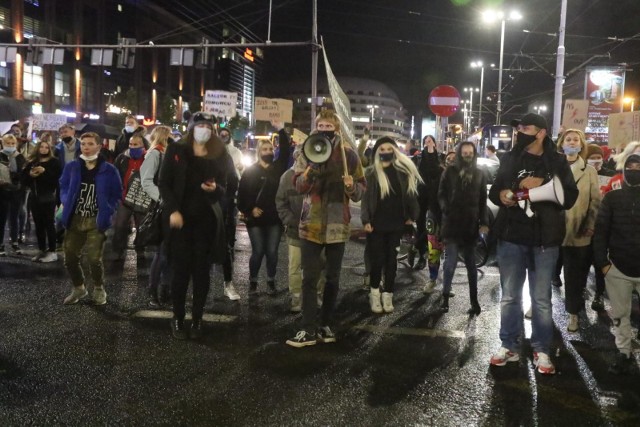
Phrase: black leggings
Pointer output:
(43, 218)
(190, 260)
(383, 253)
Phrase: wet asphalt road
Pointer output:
(115, 365)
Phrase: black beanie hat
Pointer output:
(383, 140)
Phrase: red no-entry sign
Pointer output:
(444, 100)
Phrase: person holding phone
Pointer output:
(192, 184)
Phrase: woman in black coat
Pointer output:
(192, 185)
(257, 202)
(41, 175)
(463, 201)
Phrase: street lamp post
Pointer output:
(470, 117)
(478, 64)
(491, 16)
(372, 109)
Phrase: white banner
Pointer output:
(277, 109)
(341, 104)
(47, 121)
(220, 103)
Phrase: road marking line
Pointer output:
(165, 314)
(432, 333)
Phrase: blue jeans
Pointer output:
(451, 252)
(515, 262)
(265, 240)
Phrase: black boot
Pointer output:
(271, 285)
(177, 329)
(475, 309)
(253, 288)
(422, 263)
(444, 307)
(196, 329)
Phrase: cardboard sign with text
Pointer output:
(298, 136)
(274, 109)
(576, 114)
(220, 103)
(48, 121)
(341, 103)
(624, 128)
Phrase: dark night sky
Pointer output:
(415, 45)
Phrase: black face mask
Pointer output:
(467, 159)
(67, 139)
(267, 158)
(328, 133)
(386, 157)
(632, 177)
(523, 140)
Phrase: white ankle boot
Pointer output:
(374, 301)
(387, 302)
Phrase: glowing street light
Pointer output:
(630, 101)
(540, 108)
(478, 64)
(372, 108)
(491, 16)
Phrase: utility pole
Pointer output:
(314, 64)
(557, 97)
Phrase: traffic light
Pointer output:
(126, 53)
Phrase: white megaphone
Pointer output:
(550, 192)
(317, 149)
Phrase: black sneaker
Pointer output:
(16, 248)
(3, 251)
(196, 329)
(622, 364)
(557, 282)
(177, 329)
(154, 303)
(326, 335)
(271, 284)
(598, 303)
(253, 287)
(444, 306)
(302, 339)
(422, 263)
(474, 310)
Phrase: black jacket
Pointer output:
(464, 208)
(617, 234)
(371, 196)
(259, 186)
(122, 143)
(431, 171)
(44, 188)
(547, 227)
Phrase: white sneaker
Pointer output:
(49, 257)
(503, 356)
(573, 326)
(387, 302)
(38, 257)
(429, 287)
(529, 314)
(230, 291)
(374, 301)
(99, 296)
(76, 295)
(543, 363)
(296, 303)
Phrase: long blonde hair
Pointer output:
(622, 157)
(159, 136)
(404, 165)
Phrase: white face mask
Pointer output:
(595, 163)
(88, 158)
(129, 129)
(201, 134)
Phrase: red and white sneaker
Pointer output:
(503, 356)
(543, 363)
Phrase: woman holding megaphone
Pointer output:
(580, 224)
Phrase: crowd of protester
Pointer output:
(197, 186)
